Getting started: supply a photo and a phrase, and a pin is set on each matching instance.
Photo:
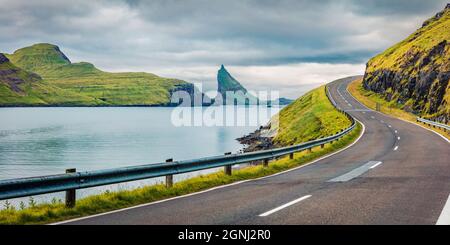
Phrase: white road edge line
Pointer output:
(440, 135)
(444, 218)
(284, 206)
(390, 126)
(375, 165)
(363, 130)
(396, 148)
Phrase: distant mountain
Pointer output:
(415, 73)
(96, 87)
(227, 84)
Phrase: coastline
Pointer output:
(256, 141)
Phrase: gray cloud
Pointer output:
(161, 35)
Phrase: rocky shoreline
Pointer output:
(257, 140)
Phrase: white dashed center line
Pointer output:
(376, 165)
(355, 172)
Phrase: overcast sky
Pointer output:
(288, 45)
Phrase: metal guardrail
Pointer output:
(69, 182)
(434, 124)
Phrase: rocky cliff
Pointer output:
(228, 85)
(13, 77)
(415, 73)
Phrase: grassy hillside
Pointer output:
(21, 88)
(415, 73)
(309, 117)
(84, 79)
(39, 58)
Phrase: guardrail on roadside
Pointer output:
(72, 180)
(434, 124)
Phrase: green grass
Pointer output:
(309, 117)
(119, 88)
(93, 86)
(320, 108)
(38, 58)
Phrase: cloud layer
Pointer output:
(289, 43)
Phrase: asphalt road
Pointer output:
(397, 173)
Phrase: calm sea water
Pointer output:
(42, 141)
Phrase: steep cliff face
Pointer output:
(415, 73)
(226, 82)
(228, 85)
(14, 77)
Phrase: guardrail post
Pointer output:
(227, 168)
(266, 162)
(71, 195)
(291, 156)
(169, 178)
(309, 149)
(322, 146)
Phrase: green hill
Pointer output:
(309, 117)
(414, 74)
(84, 79)
(22, 88)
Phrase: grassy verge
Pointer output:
(369, 99)
(309, 117)
(47, 213)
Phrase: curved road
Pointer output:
(397, 173)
